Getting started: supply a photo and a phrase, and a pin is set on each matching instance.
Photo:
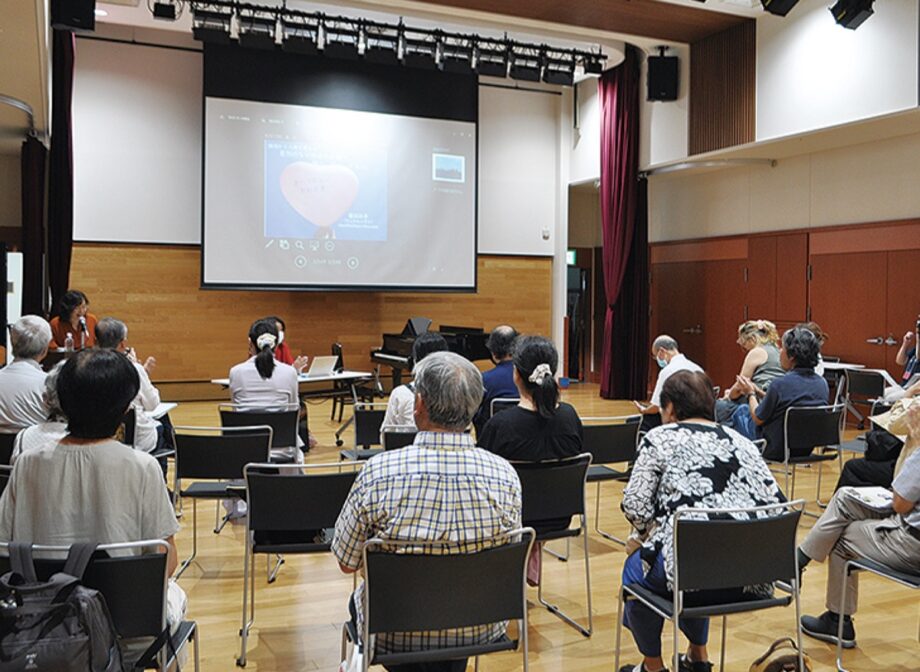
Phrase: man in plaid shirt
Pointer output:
(441, 488)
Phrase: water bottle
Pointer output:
(68, 342)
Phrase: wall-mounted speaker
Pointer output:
(76, 15)
(663, 77)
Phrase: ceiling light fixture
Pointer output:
(852, 13)
(778, 7)
(212, 25)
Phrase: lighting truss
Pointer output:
(257, 27)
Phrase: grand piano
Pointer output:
(396, 351)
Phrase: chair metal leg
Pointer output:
(616, 655)
(722, 648)
(797, 588)
(476, 663)
(195, 645)
(559, 556)
(218, 522)
(675, 622)
(273, 571)
(554, 609)
(189, 559)
(840, 619)
(248, 566)
(525, 642)
(597, 516)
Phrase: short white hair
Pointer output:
(30, 336)
(451, 388)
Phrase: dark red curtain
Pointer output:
(33, 160)
(60, 178)
(619, 98)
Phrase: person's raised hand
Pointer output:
(745, 385)
(150, 364)
(300, 363)
(908, 338)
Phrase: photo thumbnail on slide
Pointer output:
(317, 192)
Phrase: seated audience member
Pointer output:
(497, 383)
(441, 487)
(907, 357)
(149, 434)
(53, 429)
(22, 382)
(761, 364)
(73, 317)
(282, 350)
(689, 462)
(262, 382)
(822, 336)
(849, 528)
(401, 405)
(103, 491)
(888, 445)
(801, 386)
(539, 428)
(670, 361)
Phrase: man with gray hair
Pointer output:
(22, 382)
(670, 361)
(442, 487)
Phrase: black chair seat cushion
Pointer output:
(912, 580)
(290, 541)
(601, 472)
(452, 653)
(359, 454)
(695, 606)
(183, 633)
(211, 489)
(557, 528)
(815, 457)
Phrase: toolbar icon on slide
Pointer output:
(352, 263)
(284, 245)
(300, 261)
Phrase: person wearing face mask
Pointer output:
(670, 361)
(282, 351)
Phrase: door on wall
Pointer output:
(903, 302)
(723, 301)
(677, 300)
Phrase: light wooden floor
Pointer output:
(299, 617)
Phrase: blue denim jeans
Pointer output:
(743, 423)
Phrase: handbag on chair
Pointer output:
(782, 656)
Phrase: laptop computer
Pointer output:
(322, 366)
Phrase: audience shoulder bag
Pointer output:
(56, 624)
(782, 656)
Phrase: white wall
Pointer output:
(664, 125)
(812, 73)
(585, 156)
(137, 144)
(874, 181)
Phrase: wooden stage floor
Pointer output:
(299, 617)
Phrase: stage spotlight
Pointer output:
(257, 28)
(420, 50)
(778, 7)
(559, 67)
(526, 63)
(300, 35)
(852, 13)
(492, 58)
(212, 26)
(340, 39)
(381, 43)
(457, 55)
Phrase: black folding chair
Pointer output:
(132, 579)
(6, 446)
(502, 404)
(348, 393)
(398, 437)
(805, 429)
(423, 590)
(368, 420)
(863, 388)
(282, 419)
(217, 456)
(752, 551)
(911, 581)
(555, 491)
(281, 505)
(5, 472)
(613, 440)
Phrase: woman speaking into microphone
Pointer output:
(73, 317)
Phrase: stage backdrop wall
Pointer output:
(197, 335)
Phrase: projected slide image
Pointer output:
(448, 168)
(311, 192)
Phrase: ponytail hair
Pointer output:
(263, 334)
(536, 360)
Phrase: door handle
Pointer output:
(891, 340)
(698, 329)
(878, 340)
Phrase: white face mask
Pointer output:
(280, 337)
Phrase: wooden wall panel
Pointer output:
(722, 89)
(791, 277)
(761, 278)
(198, 334)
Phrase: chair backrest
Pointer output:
(5, 472)
(552, 490)
(134, 586)
(808, 427)
(502, 404)
(368, 420)
(219, 453)
(869, 384)
(398, 437)
(6, 447)
(297, 501)
(337, 351)
(422, 590)
(613, 439)
(129, 427)
(754, 550)
(283, 421)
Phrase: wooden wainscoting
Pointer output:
(199, 334)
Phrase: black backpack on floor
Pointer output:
(57, 624)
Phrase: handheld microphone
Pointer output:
(83, 325)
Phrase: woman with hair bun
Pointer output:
(761, 365)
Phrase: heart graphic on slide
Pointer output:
(321, 194)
